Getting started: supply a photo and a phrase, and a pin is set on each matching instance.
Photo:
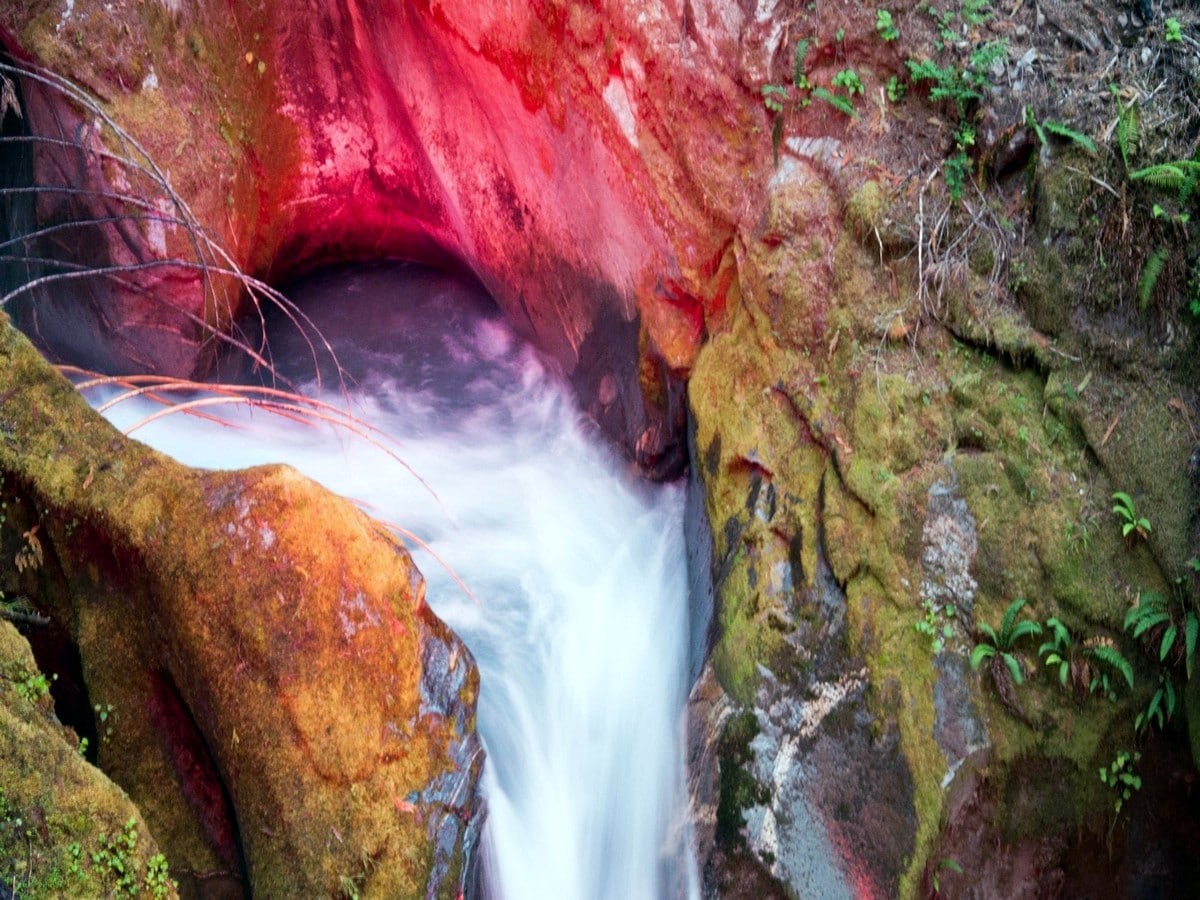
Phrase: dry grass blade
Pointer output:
(404, 533)
(287, 404)
(211, 258)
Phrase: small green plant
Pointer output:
(104, 712)
(934, 627)
(1049, 126)
(75, 862)
(838, 102)
(944, 865)
(848, 79)
(1126, 512)
(962, 86)
(997, 647)
(957, 170)
(774, 97)
(1170, 628)
(884, 26)
(896, 89)
(1122, 780)
(777, 98)
(976, 12)
(1087, 668)
(158, 881)
(1161, 707)
(1180, 175)
(1173, 31)
(115, 857)
(1056, 652)
(30, 686)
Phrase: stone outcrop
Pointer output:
(57, 812)
(263, 673)
(588, 166)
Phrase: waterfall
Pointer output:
(576, 568)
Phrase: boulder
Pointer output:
(265, 678)
(66, 830)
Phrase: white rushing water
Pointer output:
(578, 621)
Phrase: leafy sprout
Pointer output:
(997, 647)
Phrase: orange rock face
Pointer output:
(589, 166)
(279, 700)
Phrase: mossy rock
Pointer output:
(66, 830)
(280, 698)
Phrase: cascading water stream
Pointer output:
(577, 569)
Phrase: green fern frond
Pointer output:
(1070, 134)
(1168, 642)
(799, 75)
(1128, 131)
(1166, 176)
(1112, 657)
(1006, 624)
(837, 102)
(980, 653)
(1014, 668)
(1152, 268)
(1024, 628)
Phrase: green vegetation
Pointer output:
(1168, 627)
(117, 861)
(1131, 522)
(946, 865)
(961, 84)
(884, 26)
(32, 868)
(1086, 668)
(934, 625)
(1122, 780)
(1059, 129)
(1176, 185)
(1004, 667)
(1173, 31)
(779, 99)
(31, 686)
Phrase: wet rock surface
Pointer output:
(267, 680)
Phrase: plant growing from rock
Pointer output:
(997, 647)
(963, 86)
(1126, 512)
(1169, 626)
(932, 625)
(777, 98)
(1122, 780)
(1085, 668)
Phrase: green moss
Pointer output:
(739, 789)
(57, 812)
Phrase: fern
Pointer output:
(836, 101)
(1128, 130)
(1152, 268)
(799, 75)
(1070, 134)
(1169, 176)
(1112, 657)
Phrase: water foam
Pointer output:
(578, 619)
